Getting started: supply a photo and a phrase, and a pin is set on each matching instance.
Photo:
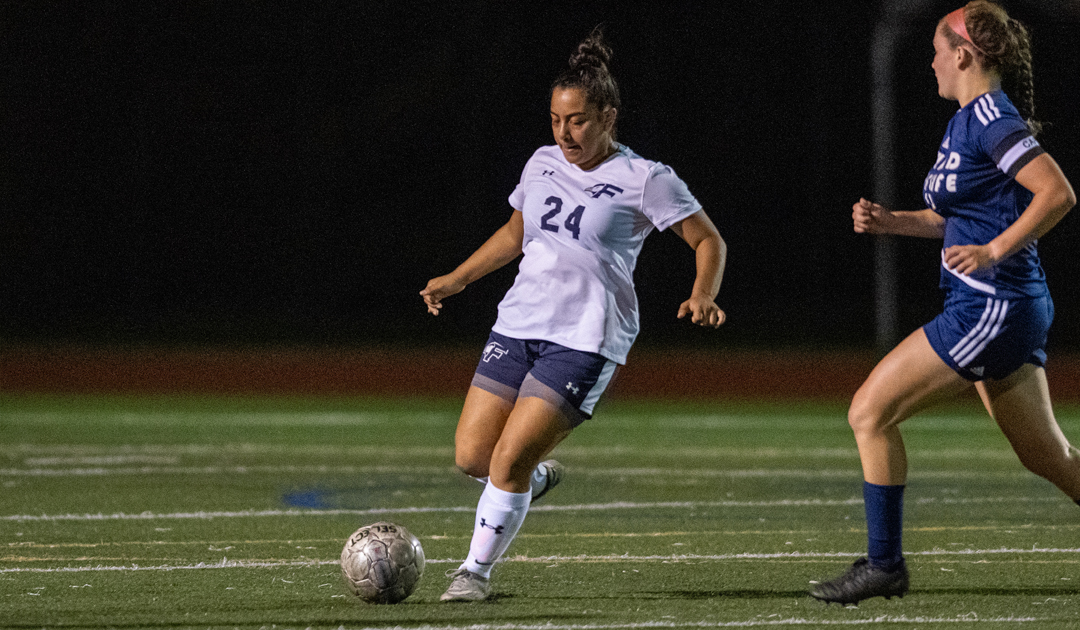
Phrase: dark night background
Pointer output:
(240, 172)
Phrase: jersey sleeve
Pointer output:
(666, 200)
(517, 197)
(1010, 145)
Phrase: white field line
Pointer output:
(348, 469)
(579, 559)
(73, 453)
(523, 535)
(221, 470)
(226, 419)
(614, 421)
(970, 618)
(301, 418)
(619, 505)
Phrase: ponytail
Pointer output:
(1005, 46)
(1021, 75)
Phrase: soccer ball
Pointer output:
(382, 563)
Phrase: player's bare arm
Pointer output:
(874, 218)
(1053, 199)
(503, 247)
(711, 258)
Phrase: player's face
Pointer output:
(944, 65)
(580, 129)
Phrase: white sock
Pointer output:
(539, 479)
(498, 517)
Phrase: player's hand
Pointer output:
(968, 259)
(868, 216)
(439, 288)
(702, 311)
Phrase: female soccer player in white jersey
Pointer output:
(580, 214)
(990, 194)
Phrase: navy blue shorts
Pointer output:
(986, 337)
(572, 380)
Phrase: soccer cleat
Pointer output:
(466, 586)
(862, 581)
(555, 472)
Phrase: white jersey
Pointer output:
(583, 233)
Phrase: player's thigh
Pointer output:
(483, 417)
(572, 380)
(503, 365)
(910, 378)
(1020, 404)
(533, 429)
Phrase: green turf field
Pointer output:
(166, 512)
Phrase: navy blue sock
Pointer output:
(884, 523)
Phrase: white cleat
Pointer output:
(555, 472)
(466, 586)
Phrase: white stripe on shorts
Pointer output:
(988, 327)
(601, 386)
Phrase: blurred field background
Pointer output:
(207, 511)
(246, 175)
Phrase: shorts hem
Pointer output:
(534, 388)
(491, 386)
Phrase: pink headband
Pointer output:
(955, 20)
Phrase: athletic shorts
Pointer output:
(571, 380)
(986, 337)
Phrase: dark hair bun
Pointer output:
(589, 72)
(592, 53)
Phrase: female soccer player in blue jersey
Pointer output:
(991, 193)
(581, 212)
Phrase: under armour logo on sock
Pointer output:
(498, 528)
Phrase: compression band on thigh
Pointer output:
(490, 385)
(533, 388)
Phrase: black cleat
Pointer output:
(863, 581)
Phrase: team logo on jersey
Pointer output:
(570, 387)
(548, 173)
(494, 350)
(603, 189)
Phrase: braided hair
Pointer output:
(1005, 46)
(589, 72)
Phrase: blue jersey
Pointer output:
(972, 186)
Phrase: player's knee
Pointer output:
(471, 462)
(864, 417)
(1056, 465)
(473, 470)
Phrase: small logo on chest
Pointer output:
(603, 189)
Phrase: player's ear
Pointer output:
(964, 57)
(609, 117)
